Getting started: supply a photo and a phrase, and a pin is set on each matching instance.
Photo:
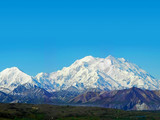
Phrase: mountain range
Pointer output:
(126, 99)
(106, 82)
(100, 73)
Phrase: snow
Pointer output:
(10, 78)
(142, 106)
(108, 73)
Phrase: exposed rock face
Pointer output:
(127, 99)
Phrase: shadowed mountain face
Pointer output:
(5, 98)
(84, 98)
(36, 95)
(127, 99)
(21, 94)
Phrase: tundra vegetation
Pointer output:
(16, 111)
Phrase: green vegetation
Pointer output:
(51, 112)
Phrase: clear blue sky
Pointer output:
(46, 35)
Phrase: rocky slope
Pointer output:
(127, 99)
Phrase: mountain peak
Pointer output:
(110, 57)
(88, 58)
(134, 88)
(108, 73)
(42, 74)
(12, 77)
(12, 69)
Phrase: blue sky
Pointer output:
(46, 35)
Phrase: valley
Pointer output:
(50, 112)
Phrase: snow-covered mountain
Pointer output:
(11, 78)
(101, 73)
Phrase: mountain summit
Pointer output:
(108, 73)
(11, 78)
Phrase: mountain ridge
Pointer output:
(126, 99)
(108, 73)
(105, 73)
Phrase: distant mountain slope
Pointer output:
(87, 73)
(21, 94)
(11, 78)
(5, 98)
(127, 99)
(101, 73)
(37, 95)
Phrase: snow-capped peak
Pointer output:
(41, 75)
(87, 58)
(11, 72)
(12, 69)
(110, 57)
(103, 73)
(12, 77)
(108, 73)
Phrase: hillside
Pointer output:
(51, 112)
(127, 99)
